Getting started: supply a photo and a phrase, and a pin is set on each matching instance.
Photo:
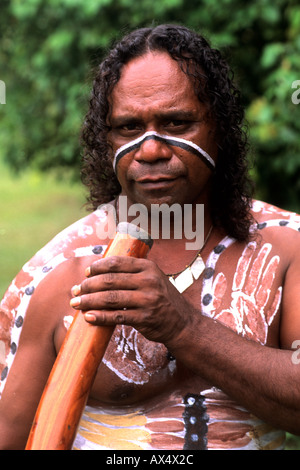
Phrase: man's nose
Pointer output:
(152, 150)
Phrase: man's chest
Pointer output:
(242, 287)
(239, 287)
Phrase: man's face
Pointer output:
(154, 95)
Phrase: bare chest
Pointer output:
(241, 288)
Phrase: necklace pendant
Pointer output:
(183, 281)
(187, 277)
(197, 267)
(193, 271)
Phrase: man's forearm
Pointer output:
(262, 379)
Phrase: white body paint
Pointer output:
(169, 139)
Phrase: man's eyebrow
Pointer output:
(123, 120)
(179, 114)
(191, 115)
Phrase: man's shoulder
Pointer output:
(264, 212)
(77, 239)
(51, 263)
(277, 226)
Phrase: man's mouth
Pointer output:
(156, 182)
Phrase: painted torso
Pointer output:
(142, 397)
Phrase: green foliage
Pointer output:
(34, 208)
(48, 48)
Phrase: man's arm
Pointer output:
(262, 379)
(265, 380)
(42, 333)
(25, 384)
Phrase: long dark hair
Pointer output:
(214, 85)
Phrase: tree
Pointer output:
(49, 46)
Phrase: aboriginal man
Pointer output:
(202, 354)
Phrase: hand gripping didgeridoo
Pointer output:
(69, 383)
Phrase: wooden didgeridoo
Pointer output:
(69, 383)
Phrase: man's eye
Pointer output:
(176, 123)
(129, 128)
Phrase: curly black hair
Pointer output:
(213, 81)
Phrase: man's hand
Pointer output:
(135, 292)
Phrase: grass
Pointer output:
(34, 208)
(292, 442)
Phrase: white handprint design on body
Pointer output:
(249, 313)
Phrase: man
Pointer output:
(204, 361)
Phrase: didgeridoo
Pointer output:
(69, 383)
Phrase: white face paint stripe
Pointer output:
(178, 142)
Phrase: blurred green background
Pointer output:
(47, 51)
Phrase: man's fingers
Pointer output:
(115, 273)
(107, 318)
(114, 299)
(107, 281)
(116, 264)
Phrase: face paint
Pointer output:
(174, 141)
